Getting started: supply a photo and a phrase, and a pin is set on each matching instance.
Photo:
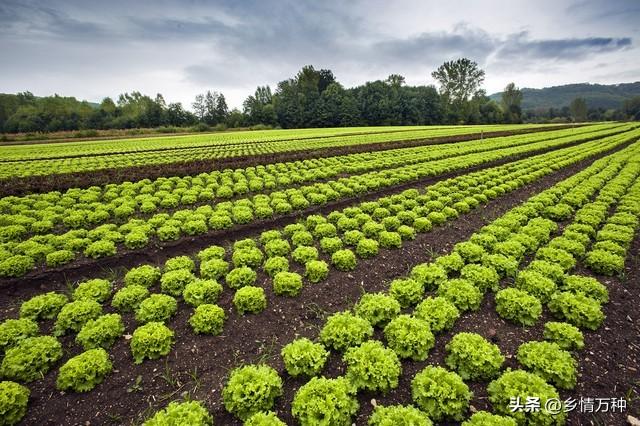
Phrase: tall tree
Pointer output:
(459, 80)
(511, 101)
(578, 108)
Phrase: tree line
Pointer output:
(312, 98)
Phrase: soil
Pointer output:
(25, 185)
(198, 366)
(159, 251)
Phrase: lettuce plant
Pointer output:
(461, 293)
(31, 358)
(344, 329)
(439, 312)
(85, 371)
(316, 270)
(303, 357)
(331, 245)
(74, 315)
(191, 413)
(251, 389)
(484, 418)
(518, 306)
(566, 336)
(344, 260)
(12, 331)
(483, 277)
(398, 415)
(178, 263)
(276, 264)
(213, 269)
(409, 337)
(473, 357)
(128, 298)
(267, 418)
(16, 266)
(43, 306)
(152, 340)
(99, 249)
(207, 319)
(577, 309)
(173, 282)
(377, 308)
(588, 286)
(145, 275)
(429, 275)
(250, 299)
(287, 283)
(440, 393)
(604, 262)
(367, 248)
(96, 289)
(373, 367)
(550, 362)
(157, 308)
(14, 399)
(240, 277)
(100, 332)
(303, 254)
(390, 240)
(535, 284)
(331, 400)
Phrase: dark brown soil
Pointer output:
(198, 365)
(160, 251)
(25, 185)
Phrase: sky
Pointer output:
(92, 49)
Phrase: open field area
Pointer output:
(442, 277)
(373, 275)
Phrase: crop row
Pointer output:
(57, 250)
(46, 167)
(30, 355)
(300, 137)
(121, 201)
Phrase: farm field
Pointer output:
(377, 275)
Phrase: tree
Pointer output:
(578, 108)
(511, 100)
(199, 107)
(459, 80)
(632, 108)
(395, 80)
(258, 107)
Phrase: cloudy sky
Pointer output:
(91, 49)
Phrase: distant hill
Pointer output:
(597, 95)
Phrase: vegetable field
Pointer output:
(380, 276)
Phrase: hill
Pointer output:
(597, 95)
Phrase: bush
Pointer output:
(251, 389)
(59, 258)
(14, 399)
(192, 413)
(303, 357)
(31, 358)
(207, 319)
(99, 249)
(523, 385)
(439, 312)
(483, 277)
(74, 315)
(276, 264)
(566, 336)
(85, 371)
(398, 415)
(406, 291)
(377, 308)
(518, 306)
(156, 308)
(43, 306)
(201, 291)
(13, 331)
(535, 284)
(174, 282)
(241, 277)
(151, 341)
(577, 309)
(440, 393)
(101, 332)
(287, 283)
(550, 362)
(213, 269)
(604, 262)
(268, 418)
(409, 337)
(316, 270)
(484, 418)
(461, 293)
(127, 299)
(373, 367)
(473, 357)
(588, 286)
(390, 240)
(97, 289)
(343, 330)
(304, 254)
(429, 275)
(331, 400)
(250, 299)
(16, 266)
(344, 260)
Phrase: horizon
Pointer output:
(90, 50)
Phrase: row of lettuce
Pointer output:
(54, 250)
(30, 166)
(28, 357)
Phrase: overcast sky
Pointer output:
(91, 49)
